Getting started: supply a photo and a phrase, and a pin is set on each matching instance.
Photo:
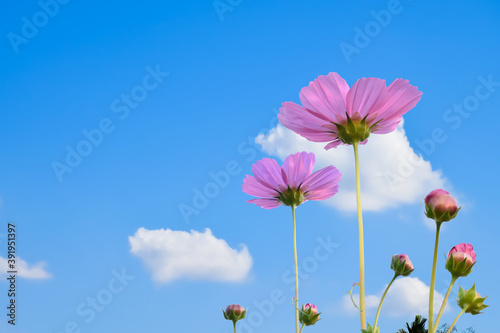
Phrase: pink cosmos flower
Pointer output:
(330, 108)
(291, 184)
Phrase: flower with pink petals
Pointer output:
(460, 259)
(290, 184)
(332, 112)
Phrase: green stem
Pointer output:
(455, 321)
(234, 325)
(301, 328)
(296, 272)
(453, 280)
(433, 279)
(361, 243)
(382, 301)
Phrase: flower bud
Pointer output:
(460, 260)
(308, 314)
(234, 312)
(471, 301)
(401, 264)
(440, 206)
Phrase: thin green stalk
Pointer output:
(433, 279)
(296, 272)
(453, 280)
(234, 325)
(301, 328)
(361, 243)
(382, 301)
(455, 321)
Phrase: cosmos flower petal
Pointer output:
(297, 167)
(304, 122)
(322, 184)
(333, 144)
(258, 189)
(326, 95)
(266, 203)
(401, 98)
(269, 173)
(365, 97)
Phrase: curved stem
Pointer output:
(301, 328)
(361, 242)
(433, 280)
(453, 280)
(382, 301)
(455, 321)
(296, 299)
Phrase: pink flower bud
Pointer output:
(460, 259)
(440, 206)
(235, 308)
(234, 312)
(314, 308)
(308, 314)
(401, 264)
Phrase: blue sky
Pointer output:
(158, 98)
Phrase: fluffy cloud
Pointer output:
(391, 172)
(407, 297)
(171, 255)
(36, 271)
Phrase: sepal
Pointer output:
(458, 269)
(371, 329)
(439, 218)
(354, 132)
(291, 197)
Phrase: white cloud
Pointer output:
(391, 173)
(407, 297)
(36, 271)
(171, 255)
